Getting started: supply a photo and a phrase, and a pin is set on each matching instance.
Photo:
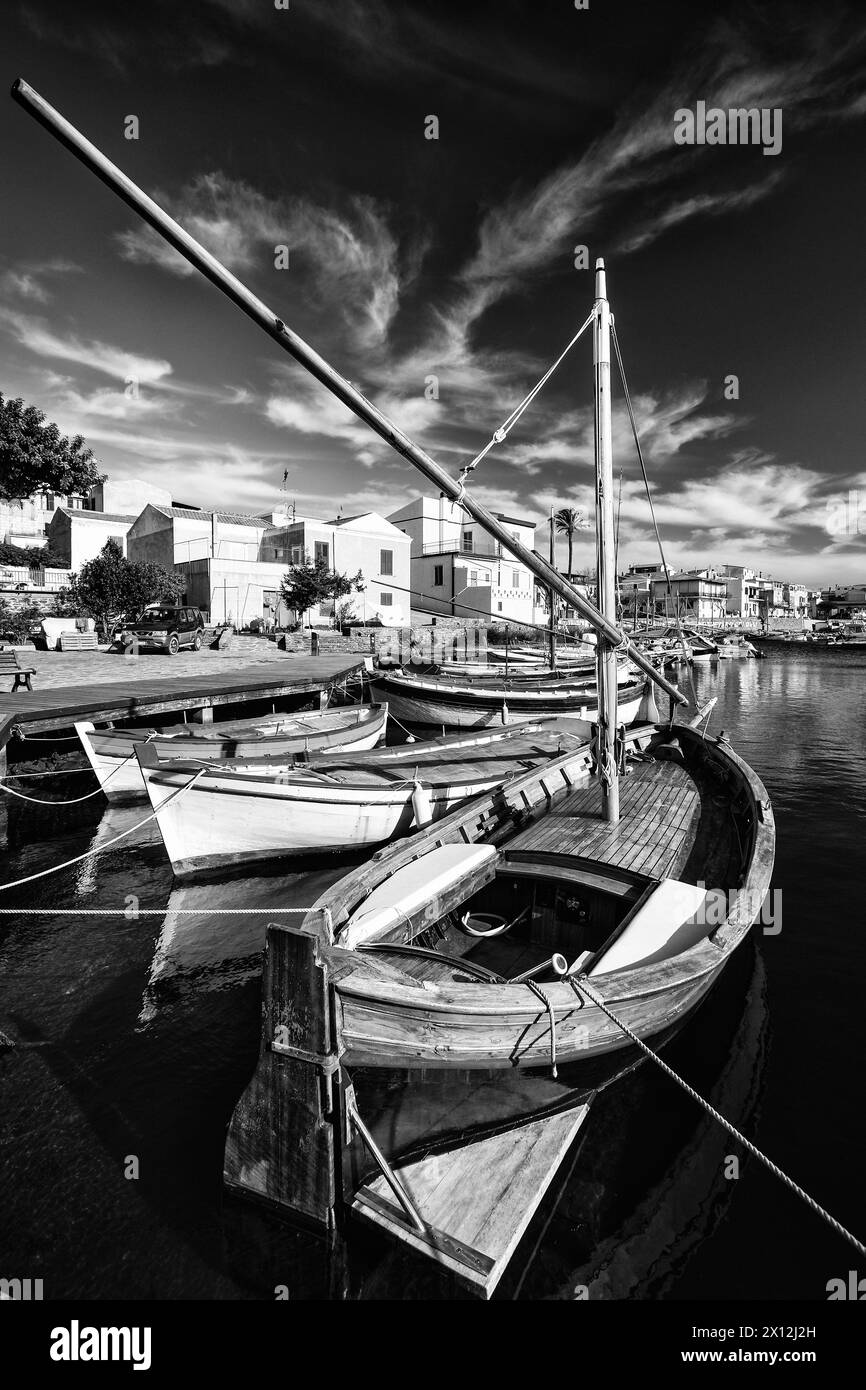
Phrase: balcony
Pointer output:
(485, 549)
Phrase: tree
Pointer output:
(34, 454)
(110, 586)
(308, 584)
(568, 521)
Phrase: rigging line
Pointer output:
(637, 443)
(582, 985)
(508, 424)
(636, 436)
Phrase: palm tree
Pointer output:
(567, 521)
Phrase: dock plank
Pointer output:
(59, 707)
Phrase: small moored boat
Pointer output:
(111, 752)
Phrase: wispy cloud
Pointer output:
(37, 337)
(348, 257)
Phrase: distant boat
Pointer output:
(246, 811)
(111, 752)
(474, 702)
(735, 647)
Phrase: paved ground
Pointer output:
(57, 669)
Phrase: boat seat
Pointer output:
(417, 895)
(672, 919)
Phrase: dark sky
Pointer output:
(454, 258)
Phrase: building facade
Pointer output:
(457, 569)
(234, 563)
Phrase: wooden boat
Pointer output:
(601, 879)
(111, 752)
(474, 702)
(445, 1032)
(244, 811)
(735, 647)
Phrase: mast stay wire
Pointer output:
(508, 424)
(667, 573)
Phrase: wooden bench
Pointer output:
(79, 642)
(10, 666)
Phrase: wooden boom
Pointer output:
(259, 312)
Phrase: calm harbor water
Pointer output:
(135, 1037)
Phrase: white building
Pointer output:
(234, 563)
(459, 570)
(77, 535)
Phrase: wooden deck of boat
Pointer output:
(660, 808)
(59, 708)
(475, 1201)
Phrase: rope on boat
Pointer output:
(582, 984)
(507, 425)
(18, 882)
(537, 990)
(27, 738)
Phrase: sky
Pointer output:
(440, 275)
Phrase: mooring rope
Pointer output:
(67, 863)
(581, 984)
(74, 800)
(133, 912)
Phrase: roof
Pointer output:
(194, 513)
(85, 514)
(514, 520)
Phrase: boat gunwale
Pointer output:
(618, 986)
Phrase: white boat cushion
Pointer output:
(410, 888)
(672, 919)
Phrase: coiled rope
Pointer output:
(582, 985)
(55, 868)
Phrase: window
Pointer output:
(386, 562)
(499, 607)
(467, 541)
(386, 600)
(297, 557)
(438, 576)
(322, 553)
(473, 576)
(515, 579)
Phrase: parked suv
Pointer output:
(168, 629)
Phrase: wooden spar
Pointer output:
(604, 525)
(353, 399)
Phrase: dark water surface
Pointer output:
(135, 1037)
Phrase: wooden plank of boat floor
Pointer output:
(659, 809)
(477, 1201)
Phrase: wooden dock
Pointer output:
(44, 711)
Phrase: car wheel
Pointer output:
(196, 646)
(173, 645)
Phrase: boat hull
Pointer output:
(224, 820)
(433, 705)
(111, 752)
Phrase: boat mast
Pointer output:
(606, 662)
(552, 598)
(316, 365)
